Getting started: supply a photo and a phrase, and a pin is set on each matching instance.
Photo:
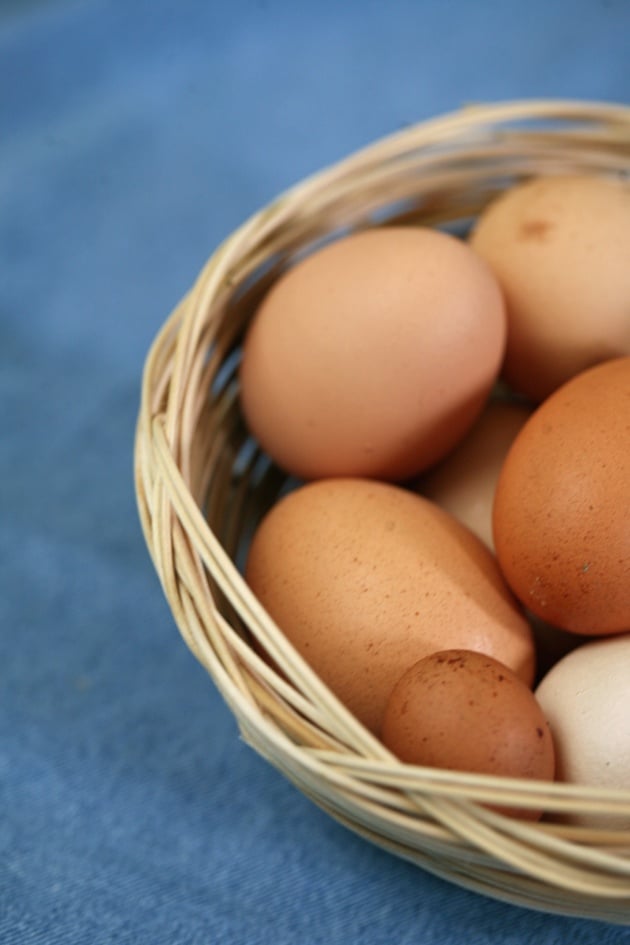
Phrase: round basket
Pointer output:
(202, 484)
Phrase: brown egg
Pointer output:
(559, 248)
(464, 711)
(562, 505)
(365, 578)
(464, 482)
(373, 356)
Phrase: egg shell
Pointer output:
(586, 698)
(561, 514)
(465, 711)
(365, 578)
(559, 248)
(464, 482)
(372, 356)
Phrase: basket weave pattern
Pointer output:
(201, 485)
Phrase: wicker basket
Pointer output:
(202, 484)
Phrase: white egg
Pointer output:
(586, 700)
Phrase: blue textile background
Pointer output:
(134, 136)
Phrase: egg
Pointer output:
(372, 356)
(465, 711)
(364, 578)
(464, 482)
(586, 698)
(559, 248)
(561, 514)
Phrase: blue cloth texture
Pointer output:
(134, 136)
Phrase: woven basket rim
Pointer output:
(342, 764)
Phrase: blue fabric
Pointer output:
(134, 136)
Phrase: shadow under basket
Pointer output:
(202, 484)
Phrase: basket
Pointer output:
(202, 484)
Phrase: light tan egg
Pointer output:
(365, 578)
(559, 248)
(374, 355)
(464, 482)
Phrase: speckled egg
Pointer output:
(365, 578)
(464, 711)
